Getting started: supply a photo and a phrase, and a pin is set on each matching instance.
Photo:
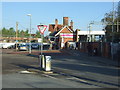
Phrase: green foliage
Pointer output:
(8, 32)
(21, 33)
(26, 33)
(38, 34)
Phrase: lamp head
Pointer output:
(28, 14)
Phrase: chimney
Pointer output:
(56, 24)
(65, 21)
(71, 24)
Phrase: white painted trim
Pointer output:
(63, 28)
(91, 33)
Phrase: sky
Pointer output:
(81, 13)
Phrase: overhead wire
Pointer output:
(108, 11)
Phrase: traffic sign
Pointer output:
(42, 28)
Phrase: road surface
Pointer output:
(69, 71)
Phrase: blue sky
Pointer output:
(82, 13)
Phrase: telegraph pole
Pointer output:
(30, 34)
(112, 32)
(113, 23)
(90, 29)
(16, 34)
(89, 32)
(117, 26)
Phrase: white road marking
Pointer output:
(77, 79)
(49, 76)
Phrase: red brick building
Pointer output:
(60, 34)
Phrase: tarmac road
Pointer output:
(83, 67)
(70, 71)
(12, 77)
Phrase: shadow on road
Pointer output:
(26, 67)
(32, 55)
(65, 58)
(84, 68)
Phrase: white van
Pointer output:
(7, 45)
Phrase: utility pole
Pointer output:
(117, 26)
(90, 26)
(16, 34)
(89, 32)
(113, 23)
(112, 32)
(30, 34)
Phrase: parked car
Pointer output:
(35, 46)
(23, 47)
(16, 46)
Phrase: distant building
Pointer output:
(60, 34)
(89, 36)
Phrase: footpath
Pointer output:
(98, 59)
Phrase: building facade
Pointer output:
(60, 34)
(89, 36)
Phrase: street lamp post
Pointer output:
(30, 34)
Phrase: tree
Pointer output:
(4, 31)
(22, 34)
(11, 32)
(8, 32)
(26, 33)
(38, 34)
(112, 32)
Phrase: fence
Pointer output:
(104, 49)
(115, 51)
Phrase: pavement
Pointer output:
(98, 59)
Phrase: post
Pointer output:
(42, 28)
(113, 24)
(89, 40)
(112, 30)
(41, 54)
(16, 34)
(41, 44)
(117, 26)
(30, 35)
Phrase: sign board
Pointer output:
(48, 58)
(39, 39)
(42, 28)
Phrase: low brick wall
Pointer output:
(103, 49)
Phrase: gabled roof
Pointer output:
(53, 34)
(70, 28)
(59, 26)
(52, 27)
(63, 29)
